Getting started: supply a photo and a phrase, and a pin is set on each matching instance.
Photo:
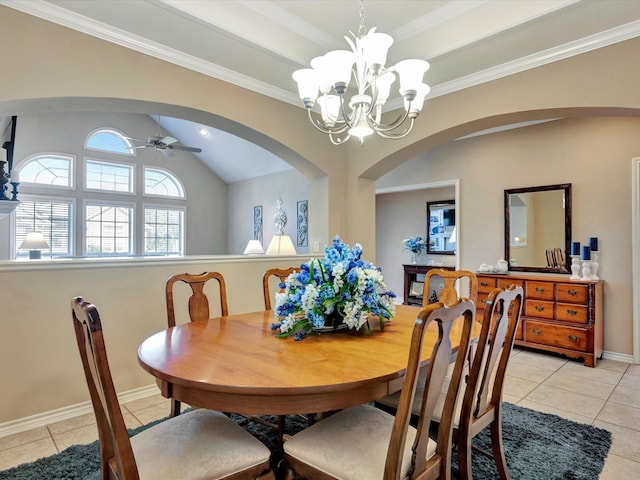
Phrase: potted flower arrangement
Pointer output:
(339, 291)
(416, 245)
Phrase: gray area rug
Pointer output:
(537, 445)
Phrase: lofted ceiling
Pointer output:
(257, 44)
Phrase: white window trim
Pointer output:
(44, 198)
(115, 131)
(168, 172)
(111, 203)
(72, 177)
(165, 207)
(130, 166)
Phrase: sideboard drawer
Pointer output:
(539, 290)
(485, 284)
(572, 293)
(538, 308)
(482, 301)
(574, 338)
(505, 282)
(570, 312)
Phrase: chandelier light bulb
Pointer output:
(414, 107)
(362, 86)
(307, 80)
(374, 50)
(338, 64)
(330, 109)
(383, 84)
(410, 73)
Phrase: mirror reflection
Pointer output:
(538, 228)
(441, 227)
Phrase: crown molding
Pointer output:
(105, 32)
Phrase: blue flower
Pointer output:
(415, 245)
(339, 289)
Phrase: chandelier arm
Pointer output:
(380, 127)
(337, 141)
(322, 128)
(385, 134)
(349, 122)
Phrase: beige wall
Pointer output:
(52, 68)
(39, 363)
(593, 154)
(403, 215)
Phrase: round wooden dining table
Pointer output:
(237, 363)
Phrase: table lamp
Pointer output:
(254, 247)
(35, 243)
(281, 245)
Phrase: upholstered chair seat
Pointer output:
(334, 445)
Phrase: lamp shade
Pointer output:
(281, 245)
(254, 247)
(34, 242)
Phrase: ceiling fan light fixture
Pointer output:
(362, 114)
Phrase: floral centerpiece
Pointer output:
(415, 245)
(339, 291)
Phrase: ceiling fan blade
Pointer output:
(166, 152)
(168, 140)
(186, 149)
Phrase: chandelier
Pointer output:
(360, 114)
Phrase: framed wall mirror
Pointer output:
(441, 227)
(537, 228)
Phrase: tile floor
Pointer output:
(607, 396)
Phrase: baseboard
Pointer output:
(618, 357)
(65, 413)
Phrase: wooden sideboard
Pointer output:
(558, 315)
(414, 276)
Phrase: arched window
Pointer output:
(109, 140)
(53, 170)
(112, 219)
(161, 183)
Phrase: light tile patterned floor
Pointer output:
(607, 396)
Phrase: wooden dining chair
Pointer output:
(198, 304)
(200, 444)
(447, 286)
(481, 404)
(279, 273)
(364, 442)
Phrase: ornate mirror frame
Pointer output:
(542, 214)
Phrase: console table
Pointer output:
(412, 271)
(558, 315)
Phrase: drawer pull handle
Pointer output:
(539, 289)
(573, 293)
(572, 312)
(573, 338)
(535, 331)
(484, 284)
(539, 308)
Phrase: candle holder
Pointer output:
(586, 270)
(575, 267)
(595, 264)
(14, 191)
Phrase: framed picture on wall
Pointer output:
(257, 223)
(302, 231)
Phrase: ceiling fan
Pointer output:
(165, 145)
